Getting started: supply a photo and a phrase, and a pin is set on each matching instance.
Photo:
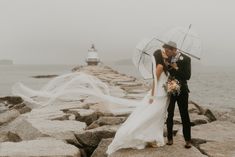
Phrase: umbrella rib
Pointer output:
(185, 36)
(181, 50)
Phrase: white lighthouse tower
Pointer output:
(92, 58)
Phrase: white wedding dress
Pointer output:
(145, 123)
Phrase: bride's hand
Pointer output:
(150, 101)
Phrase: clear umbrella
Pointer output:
(188, 42)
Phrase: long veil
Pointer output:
(74, 86)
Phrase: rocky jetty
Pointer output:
(85, 128)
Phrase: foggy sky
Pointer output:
(61, 31)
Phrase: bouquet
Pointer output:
(172, 86)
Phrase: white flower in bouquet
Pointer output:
(172, 86)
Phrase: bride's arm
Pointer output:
(159, 70)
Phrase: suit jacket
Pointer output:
(183, 73)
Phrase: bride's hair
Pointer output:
(160, 60)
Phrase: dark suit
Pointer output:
(182, 75)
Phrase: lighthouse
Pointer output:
(92, 57)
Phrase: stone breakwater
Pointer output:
(85, 127)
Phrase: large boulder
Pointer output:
(84, 115)
(46, 147)
(195, 119)
(11, 100)
(8, 116)
(28, 129)
(116, 91)
(198, 115)
(106, 121)
(102, 147)
(94, 136)
(177, 149)
(90, 139)
(9, 136)
(224, 114)
(3, 107)
(219, 137)
(210, 131)
(22, 108)
(22, 128)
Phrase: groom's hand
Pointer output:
(175, 66)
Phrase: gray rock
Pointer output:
(200, 109)
(142, 89)
(206, 112)
(192, 108)
(3, 108)
(177, 150)
(210, 131)
(11, 100)
(94, 136)
(8, 116)
(83, 115)
(91, 138)
(198, 115)
(137, 96)
(224, 114)
(194, 118)
(24, 109)
(102, 147)
(210, 115)
(9, 136)
(106, 121)
(47, 147)
(219, 149)
(29, 128)
(23, 129)
(116, 91)
(220, 137)
(103, 107)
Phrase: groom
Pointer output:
(179, 68)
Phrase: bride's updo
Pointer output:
(160, 60)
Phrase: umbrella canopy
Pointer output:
(187, 41)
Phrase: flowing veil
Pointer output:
(75, 86)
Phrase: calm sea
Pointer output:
(209, 85)
(214, 86)
(11, 74)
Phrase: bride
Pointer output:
(144, 127)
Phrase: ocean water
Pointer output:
(212, 86)
(11, 74)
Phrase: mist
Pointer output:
(61, 31)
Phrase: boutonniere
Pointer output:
(181, 58)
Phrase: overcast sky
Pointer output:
(61, 31)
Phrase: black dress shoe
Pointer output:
(169, 142)
(188, 144)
